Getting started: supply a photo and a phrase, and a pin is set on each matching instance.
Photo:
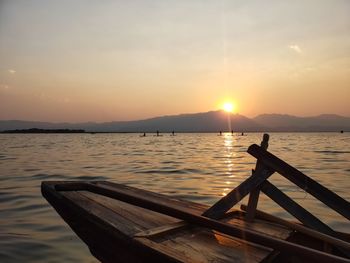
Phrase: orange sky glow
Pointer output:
(119, 60)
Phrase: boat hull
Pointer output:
(117, 231)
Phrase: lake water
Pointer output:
(197, 167)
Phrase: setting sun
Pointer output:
(228, 107)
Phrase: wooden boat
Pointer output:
(125, 224)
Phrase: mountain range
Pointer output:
(212, 121)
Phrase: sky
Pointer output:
(87, 60)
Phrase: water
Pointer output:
(197, 167)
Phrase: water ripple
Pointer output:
(196, 167)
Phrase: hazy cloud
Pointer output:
(295, 48)
(310, 69)
(4, 86)
(12, 71)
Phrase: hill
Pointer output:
(212, 121)
(324, 122)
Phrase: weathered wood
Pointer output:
(254, 194)
(195, 207)
(294, 208)
(237, 194)
(298, 211)
(143, 218)
(320, 192)
(105, 240)
(192, 244)
(302, 229)
(239, 232)
(263, 227)
(252, 204)
(163, 230)
(152, 223)
(119, 222)
(235, 217)
(205, 245)
(70, 186)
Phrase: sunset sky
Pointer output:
(125, 60)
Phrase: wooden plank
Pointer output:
(254, 194)
(237, 194)
(163, 230)
(155, 224)
(162, 249)
(320, 192)
(302, 229)
(105, 241)
(71, 186)
(185, 246)
(166, 227)
(180, 225)
(99, 244)
(294, 208)
(233, 217)
(225, 228)
(144, 218)
(298, 211)
(205, 245)
(263, 227)
(117, 222)
(195, 207)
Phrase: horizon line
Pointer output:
(179, 114)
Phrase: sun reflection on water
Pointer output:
(229, 154)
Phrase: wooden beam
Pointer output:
(240, 232)
(302, 229)
(294, 208)
(298, 211)
(177, 226)
(227, 202)
(320, 192)
(252, 204)
(254, 194)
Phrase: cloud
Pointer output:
(310, 69)
(295, 48)
(4, 86)
(12, 71)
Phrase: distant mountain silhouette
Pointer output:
(36, 130)
(212, 121)
(283, 122)
(22, 125)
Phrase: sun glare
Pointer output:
(228, 107)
